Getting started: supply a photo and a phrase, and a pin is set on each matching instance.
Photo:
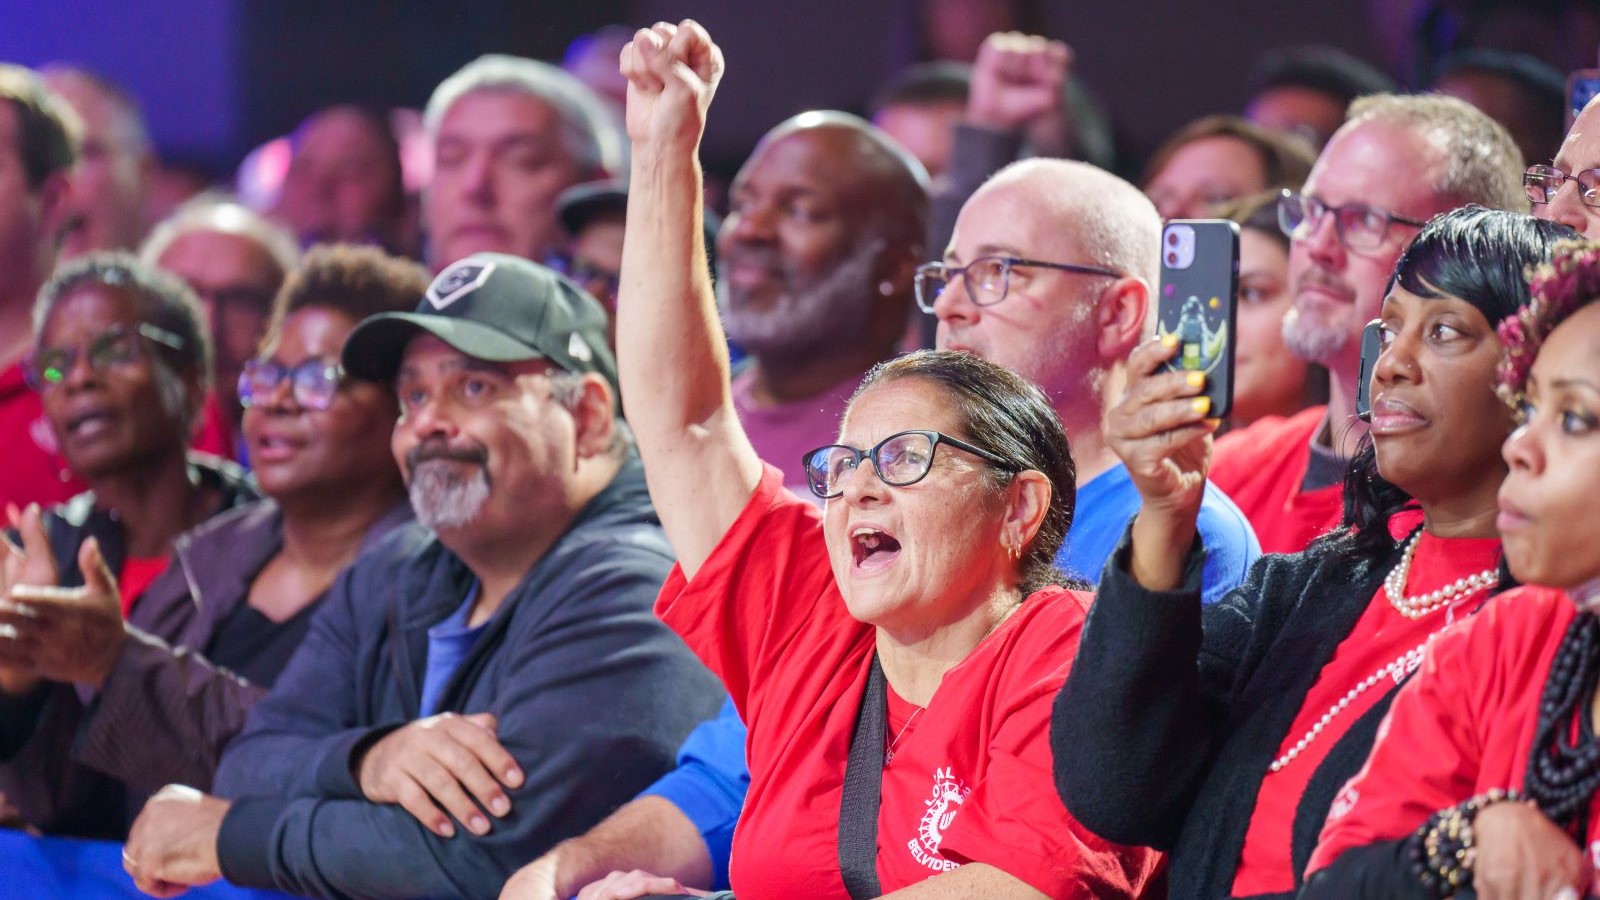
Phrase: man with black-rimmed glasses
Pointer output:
(1397, 162)
(1051, 272)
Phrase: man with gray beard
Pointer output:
(1395, 163)
(485, 682)
(814, 268)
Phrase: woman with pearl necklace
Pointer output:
(1487, 774)
(1221, 735)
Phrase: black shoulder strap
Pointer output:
(863, 786)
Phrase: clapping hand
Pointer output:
(51, 632)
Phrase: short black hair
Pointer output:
(1541, 88)
(1482, 256)
(1316, 67)
(925, 84)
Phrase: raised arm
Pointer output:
(672, 355)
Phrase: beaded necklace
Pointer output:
(1563, 771)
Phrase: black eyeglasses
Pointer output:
(1541, 183)
(312, 383)
(899, 460)
(1359, 226)
(116, 346)
(988, 278)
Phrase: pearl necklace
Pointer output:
(1398, 669)
(1394, 586)
(1413, 608)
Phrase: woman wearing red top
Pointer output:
(1499, 728)
(1223, 735)
(909, 633)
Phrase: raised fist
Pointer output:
(672, 73)
(1017, 80)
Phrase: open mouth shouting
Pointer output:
(872, 549)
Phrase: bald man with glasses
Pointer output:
(1051, 272)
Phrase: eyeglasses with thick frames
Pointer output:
(899, 460)
(312, 383)
(1359, 226)
(1541, 183)
(988, 278)
(116, 346)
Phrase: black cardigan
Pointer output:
(1173, 712)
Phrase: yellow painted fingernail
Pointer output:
(1169, 340)
(1201, 404)
(1197, 379)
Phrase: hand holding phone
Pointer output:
(1198, 301)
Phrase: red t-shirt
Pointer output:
(34, 470)
(1261, 467)
(137, 574)
(1462, 727)
(1381, 636)
(212, 437)
(970, 780)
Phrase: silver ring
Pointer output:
(131, 866)
(1566, 893)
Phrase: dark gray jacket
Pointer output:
(593, 696)
(67, 755)
(1172, 713)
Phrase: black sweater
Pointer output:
(1173, 712)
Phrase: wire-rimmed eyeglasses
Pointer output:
(988, 278)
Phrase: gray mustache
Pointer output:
(422, 453)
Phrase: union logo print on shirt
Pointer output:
(949, 792)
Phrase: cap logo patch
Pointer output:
(457, 281)
(578, 349)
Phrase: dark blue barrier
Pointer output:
(64, 869)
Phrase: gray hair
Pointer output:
(1478, 162)
(587, 131)
(211, 212)
(566, 388)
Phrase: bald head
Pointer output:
(819, 250)
(1062, 329)
(870, 160)
(1111, 222)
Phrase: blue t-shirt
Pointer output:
(1108, 502)
(709, 784)
(449, 642)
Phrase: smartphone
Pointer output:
(1198, 301)
(1582, 86)
(1371, 346)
